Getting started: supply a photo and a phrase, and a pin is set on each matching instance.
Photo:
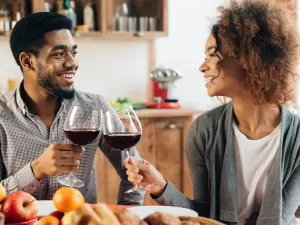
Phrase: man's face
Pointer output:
(57, 65)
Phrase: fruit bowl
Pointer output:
(29, 222)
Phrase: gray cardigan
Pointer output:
(213, 171)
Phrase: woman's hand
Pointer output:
(141, 172)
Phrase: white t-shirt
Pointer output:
(254, 159)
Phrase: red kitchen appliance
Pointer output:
(162, 84)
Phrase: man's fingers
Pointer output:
(68, 147)
(68, 162)
(70, 155)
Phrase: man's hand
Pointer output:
(57, 159)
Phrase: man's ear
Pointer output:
(26, 61)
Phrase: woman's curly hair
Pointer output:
(263, 40)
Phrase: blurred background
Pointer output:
(122, 41)
(146, 53)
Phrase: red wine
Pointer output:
(121, 140)
(81, 136)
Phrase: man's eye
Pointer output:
(58, 54)
(74, 53)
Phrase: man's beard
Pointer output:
(47, 84)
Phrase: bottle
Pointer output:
(7, 20)
(73, 15)
(64, 7)
(46, 6)
(88, 16)
(60, 6)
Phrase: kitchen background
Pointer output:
(120, 68)
(117, 64)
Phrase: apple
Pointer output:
(57, 214)
(18, 207)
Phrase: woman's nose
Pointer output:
(203, 68)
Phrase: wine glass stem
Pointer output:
(71, 179)
(71, 176)
(128, 156)
(127, 153)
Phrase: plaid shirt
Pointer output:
(24, 137)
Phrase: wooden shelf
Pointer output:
(134, 36)
(106, 10)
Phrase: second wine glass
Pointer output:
(82, 126)
(125, 135)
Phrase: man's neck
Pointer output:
(39, 102)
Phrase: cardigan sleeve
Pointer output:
(291, 197)
(199, 175)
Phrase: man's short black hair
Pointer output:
(28, 35)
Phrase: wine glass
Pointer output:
(82, 126)
(125, 136)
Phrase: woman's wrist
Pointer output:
(159, 189)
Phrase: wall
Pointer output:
(112, 69)
(183, 50)
(116, 69)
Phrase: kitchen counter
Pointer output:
(156, 113)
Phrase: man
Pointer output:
(32, 142)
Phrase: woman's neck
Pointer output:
(255, 120)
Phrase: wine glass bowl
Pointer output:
(124, 135)
(82, 127)
(122, 140)
(81, 136)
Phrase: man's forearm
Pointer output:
(23, 180)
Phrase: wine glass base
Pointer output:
(138, 188)
(70, 181)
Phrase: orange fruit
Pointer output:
(48, 220)
(2, 193)
(67, 199)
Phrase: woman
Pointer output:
(244, 155)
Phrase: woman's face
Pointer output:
(224, 76)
